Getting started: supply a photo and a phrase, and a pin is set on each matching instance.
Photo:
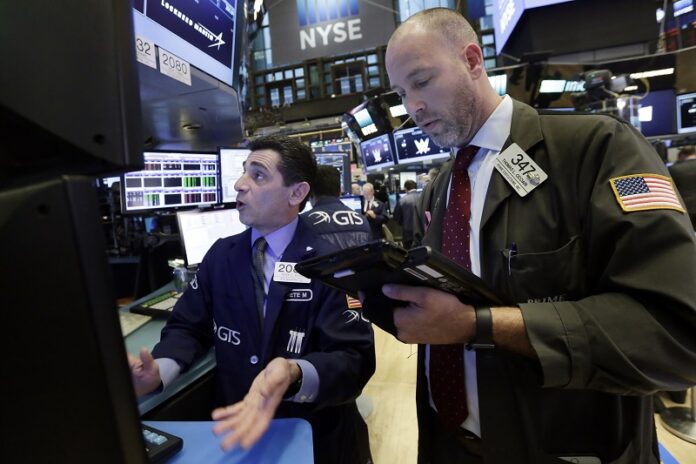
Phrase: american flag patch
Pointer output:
(641, 192)
(353, 303)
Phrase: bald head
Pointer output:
(436, 66)
(452, 26)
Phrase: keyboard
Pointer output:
(131, 322)
(160, 445)
(158, 306)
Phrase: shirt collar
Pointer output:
(495, 131)
(279, 239)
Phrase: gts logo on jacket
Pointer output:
(340, 218)
(226, 334)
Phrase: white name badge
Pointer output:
(519, 170)
(285, 272)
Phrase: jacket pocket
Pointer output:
(546, 276)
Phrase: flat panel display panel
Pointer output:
(656, 113)
(201, 32)
(414, 146)
(407, 175)
(364, 119)
(171, 180)
(199, 230)
(231, 169)
(377, 153)
(340, 145)
(354, 202)
(340, 161)
(686, 113)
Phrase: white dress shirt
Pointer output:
(490, 138)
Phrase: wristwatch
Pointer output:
(483, 340)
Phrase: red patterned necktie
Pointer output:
(447, 361)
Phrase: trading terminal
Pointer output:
(125, 126)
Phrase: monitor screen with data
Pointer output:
(231, 169)
(200, 229)
(414, 146)
(686, 113)
(171, 180)
(378, 152)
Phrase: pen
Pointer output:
(512, 251)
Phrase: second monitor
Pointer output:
(171, 180)
(199, 230)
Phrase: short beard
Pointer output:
(449, 137)
(460, 119)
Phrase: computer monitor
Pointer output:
(67, 372)
(171, 180)
(200, 229)
(231, 169)
(656, 113)
(377, 153)
(338, 145)
(686, 113)
(367, 120)
(405, 176)
(354, 202)
(415, 146)
(205, 34)
(340, 161)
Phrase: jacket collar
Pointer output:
(525, 131)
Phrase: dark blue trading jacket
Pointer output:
(337, 223)
(303, 320)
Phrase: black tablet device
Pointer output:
(367, 267)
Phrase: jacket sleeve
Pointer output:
(343, 349)
(634, 331)
(188, 333)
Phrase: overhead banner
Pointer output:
(305, 29)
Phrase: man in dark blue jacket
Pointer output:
(285, 346)
(334, 221)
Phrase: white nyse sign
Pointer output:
(305, 29)
(337, 32)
